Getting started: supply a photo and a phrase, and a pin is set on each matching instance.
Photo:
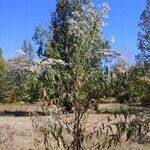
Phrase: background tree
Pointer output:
(143, 58)
(41, 37)
(2, 62)
(119, 81)
(27, 48)
(142, 67)
(5, 87)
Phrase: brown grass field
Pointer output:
(18, 133)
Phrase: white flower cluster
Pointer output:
(21, 53)
(40, 65)
(108, 52)
(105, 9)
(112, 39)
(17, 64)
(51, 61)
(83, 21)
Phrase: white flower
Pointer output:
(59, 61)
(71, 21)
(106, 6)
(105, 9)
(51, 61)
(102, 24)
(21, 52)
(108, 52)
(35, 69)
(112, 39)
(76, 14)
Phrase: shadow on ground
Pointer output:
(20, 113)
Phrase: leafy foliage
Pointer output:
(70, 76)
(144, 38)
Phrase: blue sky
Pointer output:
(18, 19)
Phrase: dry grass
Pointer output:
(18, 107)
(23, 136)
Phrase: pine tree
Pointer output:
(59, 27)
